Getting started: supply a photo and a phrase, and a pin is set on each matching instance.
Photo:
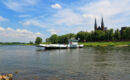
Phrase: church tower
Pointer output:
(102, 24)
(95, 25)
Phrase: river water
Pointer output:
(91, 63)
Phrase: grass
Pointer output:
(114, 43)
(14, 43)
(122, 43)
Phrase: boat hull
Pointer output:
(59, 46)
(55, 47)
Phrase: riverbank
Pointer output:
(117, 44)
(86, 44)
(15, 43)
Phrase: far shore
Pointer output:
(103, 44)
(86, 44)
(14, 43)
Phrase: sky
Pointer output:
(24, 20)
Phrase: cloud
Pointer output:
(2, 19)
(52, 31)
(2, 29)
(57, 6)
(113, 11)
(38, 33)
(18, 35)
(20, 5)
(76, 18)
(32, 22)
(67, 17)
(24, 16)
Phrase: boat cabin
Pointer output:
(73, 43)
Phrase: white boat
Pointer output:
(72, 44)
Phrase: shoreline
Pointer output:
(17, 44)
(87, 44)
(106, 44)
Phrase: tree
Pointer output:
(31, 42)
(128, 33)
(109, 35)
(98, 35)
(117, 35)
(82, 35)
(38, 40)
(53, 39)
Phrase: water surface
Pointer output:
(91, 63)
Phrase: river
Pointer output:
(91, 63)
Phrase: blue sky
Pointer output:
(24, 20)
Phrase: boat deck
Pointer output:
(59, 46)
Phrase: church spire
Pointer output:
(102, 24)
(95, 25)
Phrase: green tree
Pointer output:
(109, 35)
(53, 39)
(117, 35)
(127, 33)
(38, 40)
(83, 36)
(64, 38)
(31, 42)
(123, 35)
(99, 35)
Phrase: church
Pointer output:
(102, 27)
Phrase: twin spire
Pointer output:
(99, 28)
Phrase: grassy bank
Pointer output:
(15, 43)
(118, 44)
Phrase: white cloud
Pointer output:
(82, 17)
(2, 19)
(52, 31)
(75, 18)
(2, 29)
(31, 2)
(20, 5)
(32, 22)
(57, 6)
(18, 35)
(68, 17)
(113, 11)
(9, 29)
(23, 16)
(38, 33)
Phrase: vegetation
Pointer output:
(108, 37)
(31, 43)
(38, 40)
(12, 43)
(93, 38)
(60, 39)
(120, 43)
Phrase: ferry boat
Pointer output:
(72, 44)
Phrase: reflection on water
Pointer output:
(91, 63)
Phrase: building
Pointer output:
(122, 29)
(102, 27)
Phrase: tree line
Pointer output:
(93, 36)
